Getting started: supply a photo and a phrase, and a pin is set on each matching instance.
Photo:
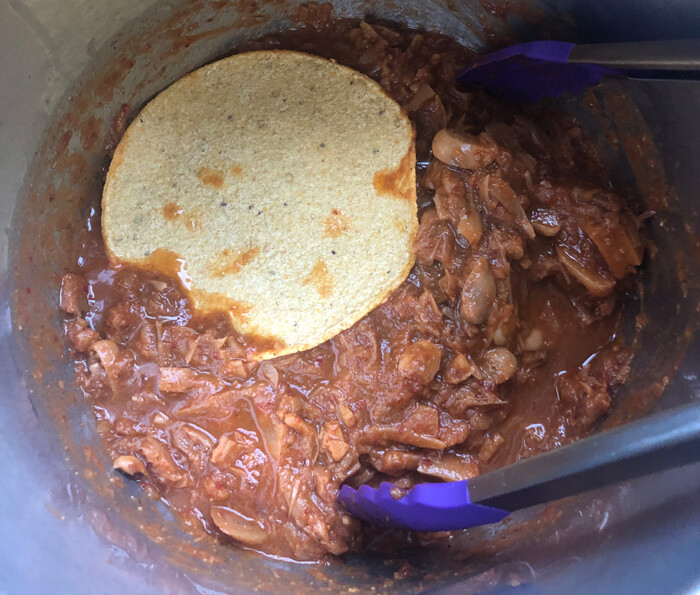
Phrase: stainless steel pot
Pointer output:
(69, 526)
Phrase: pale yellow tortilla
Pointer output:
(278, 186)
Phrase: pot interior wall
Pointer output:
(156, 47)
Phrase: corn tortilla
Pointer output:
(277, 186)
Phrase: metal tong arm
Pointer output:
(681, 54)
(665, 440)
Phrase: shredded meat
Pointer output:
(507, 322)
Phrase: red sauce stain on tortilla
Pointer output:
(168, 263)
(172, 211)
(336, 224)
(399, 182)
(205, 301)
(211, 177)
(238, 311)
(193, 222)
(237, 170)
(231, 262)
(321, 278)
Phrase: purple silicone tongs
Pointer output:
(662, 441)
(530, 71)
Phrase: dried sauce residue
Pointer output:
(321, 278)
(336, 224)
(187, 40)
(193, 222)
(231, 262)
(502, 10)
(211, 177)
(172, 211)
(90, 132)
(314, 15)
(399, 182)
(643, 155)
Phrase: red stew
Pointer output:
(500, 344)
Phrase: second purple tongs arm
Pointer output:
(665, 440)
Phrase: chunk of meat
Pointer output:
(307, 432)
(162, 464)
(73, 295)
(117, 363)
(597, 281)
(215, 488)
(146, 342)
(435, 239)
(195, 443)
(501, 247)
(449, 467)
(180, 380)
(618, 242)
(422, 419)
(386, 435)
(450, 197)
(422, 97)
(182, 342)
(491, 446)
(464, 150)
(420, 427)
(584, 396)
(468, 397)
(333, 441)
(394, 461)
(121, 321)
(218, 405)
(159, 459)
(79, 335)
(460, 369)
(315, 516)
(347, 415)
(432, 178)
(503, 134)
(428, 119)
(224, 451)
(428, 316)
